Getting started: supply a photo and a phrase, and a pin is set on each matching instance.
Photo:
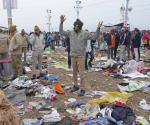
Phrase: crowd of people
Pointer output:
(79, 45)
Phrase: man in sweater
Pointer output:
(78, 43)
(38, 42)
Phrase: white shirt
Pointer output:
(88, 48)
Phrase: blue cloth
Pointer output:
(99, 120)
(32, 122)
(77, 103)
(119, 123)
(51, 78)
(48, 38)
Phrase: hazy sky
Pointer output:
(33, 12)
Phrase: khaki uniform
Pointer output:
(15, 49)
(24, 47)
(4, 45)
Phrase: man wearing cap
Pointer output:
(25, 43)
(15, 49)
(78, 43)
(38, 42)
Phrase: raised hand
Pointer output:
(100, 24)
(62, 18)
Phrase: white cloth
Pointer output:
(88, 48)
(136, 54)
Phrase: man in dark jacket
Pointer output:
(117, 35)
(89, 52)
(67, 42)
(136, 43)
(125, 44)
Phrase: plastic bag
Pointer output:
(133, 85)
(130, 67)
(142, 121)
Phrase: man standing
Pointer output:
(24, 46)
(37, 41)
(117, 35)
(111, 44)
(15, 49)
(125, 44)
(89, 52)
(4, 45)
(47, 38)
(67, 42)
(78, 43)
(136, 43)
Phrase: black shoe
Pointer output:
(33, 77)
(86, 68)
(82, 92)
(41, 75)
(4, 85)
(75, 88)
(13, 77)
(90, 65)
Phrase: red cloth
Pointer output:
(113, 41)
(146, 36)
(120, 104)
(5, 60)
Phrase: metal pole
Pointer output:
(77, 13)
(9, 13)
(126, 13)
(49, 19)
(78, 7)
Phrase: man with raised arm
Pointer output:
(78, 43)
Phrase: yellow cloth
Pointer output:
(110, 97)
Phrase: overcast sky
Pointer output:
(33, 12)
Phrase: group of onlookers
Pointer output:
(129, 42)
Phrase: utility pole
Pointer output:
(124, 12)
(49, 12)
(78, 7)
(9, 12)
(8, 5)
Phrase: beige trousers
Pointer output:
(36, 61)
(78, 65)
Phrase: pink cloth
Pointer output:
(5, 60)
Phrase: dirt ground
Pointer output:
(94, 81)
